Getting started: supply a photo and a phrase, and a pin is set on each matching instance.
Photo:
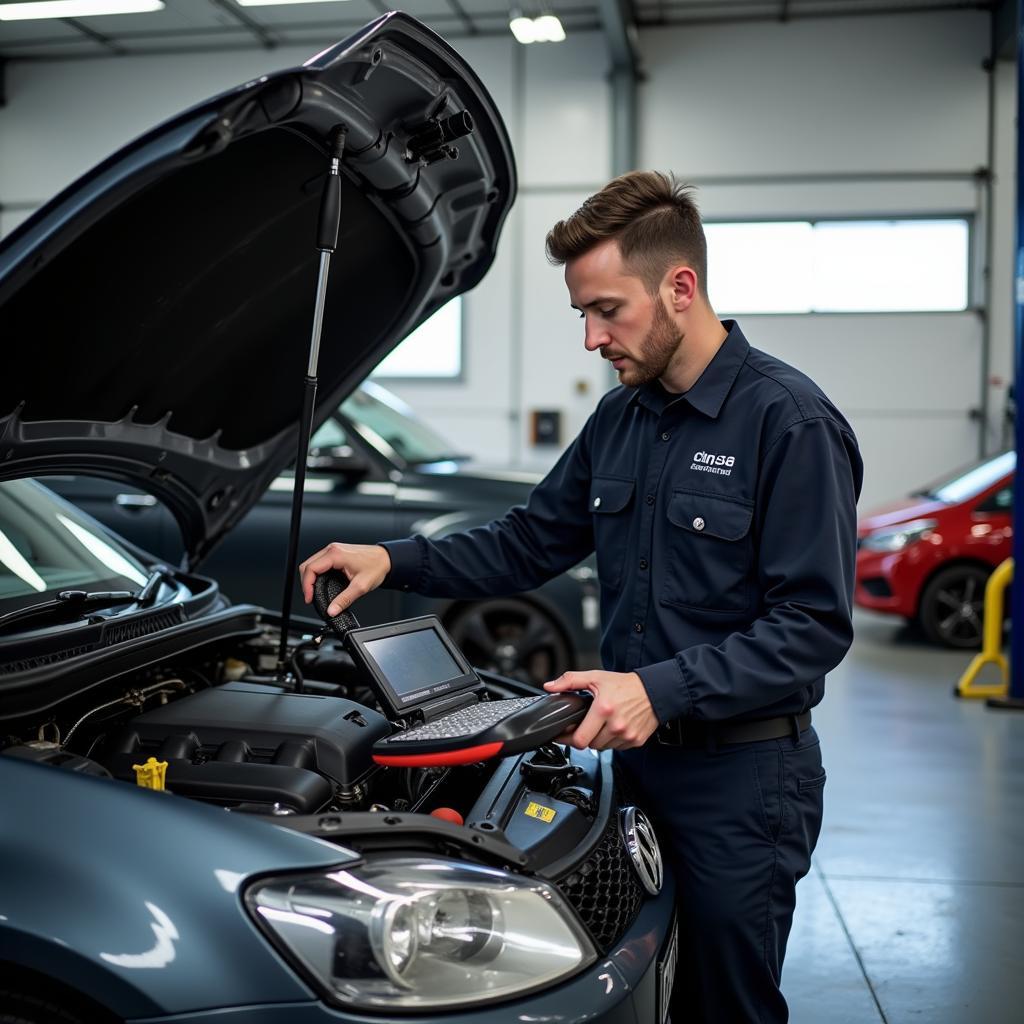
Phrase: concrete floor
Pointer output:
(914, 908)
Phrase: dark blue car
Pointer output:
(186, 835)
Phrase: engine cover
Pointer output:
(249, 743)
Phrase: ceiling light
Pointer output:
(549, 29)
(545, 29)
(275, 3)
(37, 9)
(523, 29)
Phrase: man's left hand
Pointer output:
(620, 716)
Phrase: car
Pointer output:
(928, 558)
(195, 828)
(376, 471)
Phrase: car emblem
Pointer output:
(642, 846)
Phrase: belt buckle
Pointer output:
(670, 733)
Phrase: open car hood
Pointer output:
(155, 317)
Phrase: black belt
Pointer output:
(686, 732)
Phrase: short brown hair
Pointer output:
(652, 217)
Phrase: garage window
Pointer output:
(433, 350)
(839, 266)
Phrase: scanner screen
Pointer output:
(414, 663)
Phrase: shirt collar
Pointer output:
(712, 387)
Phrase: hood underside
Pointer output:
(155, 317)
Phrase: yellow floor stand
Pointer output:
(992, 640)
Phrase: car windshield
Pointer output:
(47, 546)
(970, 482)
(380, 415)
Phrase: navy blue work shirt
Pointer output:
(724, 522)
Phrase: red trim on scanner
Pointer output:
(467, 755)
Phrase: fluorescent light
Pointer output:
(545, 29)
(275, 3)
(38, 9)
(523, 29)
(549, 29)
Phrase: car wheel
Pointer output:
(952, 606)
(512, 638)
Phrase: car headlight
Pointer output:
(896, 538)
(413, 933)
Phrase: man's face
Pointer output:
(624, 322)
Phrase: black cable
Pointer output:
(293, 663)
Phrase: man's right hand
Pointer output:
(365, 565)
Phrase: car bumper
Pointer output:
(889, 582)
(622, 987)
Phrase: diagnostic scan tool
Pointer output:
(423, 682)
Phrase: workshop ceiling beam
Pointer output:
(266, 39)
(96, 37)
(460, 12)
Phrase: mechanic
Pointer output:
(718, 487)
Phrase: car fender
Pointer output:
(133, 896)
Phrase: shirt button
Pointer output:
(643, 563)
(665, 436)
(597, 503)
(638, 627)
(698, 523)
(649, 499)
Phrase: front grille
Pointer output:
(604, 888)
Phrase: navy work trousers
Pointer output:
(737, 824)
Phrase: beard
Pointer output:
(656, 350)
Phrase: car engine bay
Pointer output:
(235, 736)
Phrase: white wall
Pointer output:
(844, 117)
(764, 103)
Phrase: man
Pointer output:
(718, 487)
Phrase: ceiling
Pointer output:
(185, 26)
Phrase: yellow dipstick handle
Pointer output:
(152, 774)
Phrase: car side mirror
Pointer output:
(340, 460)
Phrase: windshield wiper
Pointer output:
(78, 600)
(150, 589)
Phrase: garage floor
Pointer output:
(914, 909)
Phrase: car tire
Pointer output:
(952, 606)
(512, 638)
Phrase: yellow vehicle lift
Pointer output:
(992, 640)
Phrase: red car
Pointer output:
(928, 557)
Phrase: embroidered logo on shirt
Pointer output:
(706, 462)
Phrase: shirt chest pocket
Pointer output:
(708, 557)
(611, 500)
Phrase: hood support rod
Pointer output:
(326, 241)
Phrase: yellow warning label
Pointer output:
(539, 811)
